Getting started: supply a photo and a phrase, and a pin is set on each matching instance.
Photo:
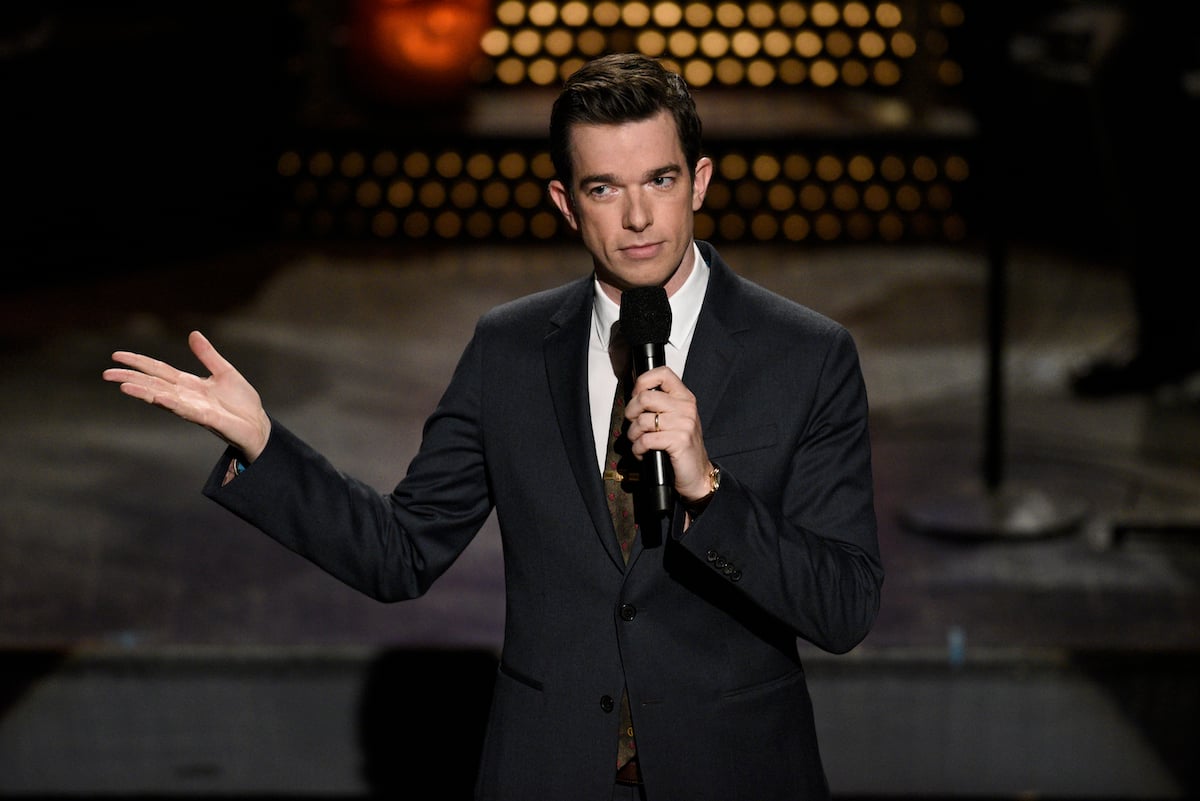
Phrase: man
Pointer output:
(693, 627)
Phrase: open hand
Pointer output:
(224, 402)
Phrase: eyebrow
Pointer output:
(609, 178)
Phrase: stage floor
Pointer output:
(106, 540)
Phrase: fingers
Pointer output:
(207, 354)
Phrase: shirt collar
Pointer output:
(685, 305)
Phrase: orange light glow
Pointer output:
(416, 49)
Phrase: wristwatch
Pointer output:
(694, 508)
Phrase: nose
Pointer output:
(637, 212)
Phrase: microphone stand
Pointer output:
(994, 508)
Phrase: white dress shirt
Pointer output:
(602, 382)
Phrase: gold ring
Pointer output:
(656, 428)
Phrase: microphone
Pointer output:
(646, 325)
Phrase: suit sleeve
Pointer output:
(390, 546)
(810, 555)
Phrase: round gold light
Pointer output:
(792, 71)
(792, 14)
(635, 14)
(526, 42)
(511, 165)
(496, 194)
(796, 167)
(781, 197)
(591, 42)
(512, 225)
(510, 71)
(480, 166)
(764, 227)
(732, 226)
(385, 163)
(746, 44)
(416, 225)
(510, 12)
(606, 13)
(888, 15)
(668, 14)
(730, 15)
(807, 44)
(479, 224)
(416, 164)
(384, 225)
(368, 194)
(574, 13)
(559, 42)
(495, 42)
(908, 198)
(855, 73)
(541, 166)
(543, 13)
(447, 225)
(464, 195)
(871, 44)
(891, 227)
(449, 164)
(288, 164)
(698, 73)
(812, 197)
(714, 44)
(876, 197)
(320, 164)
(543, 225)
(838, 44)
(828, 227)
(924, 168)
(698, 15)
(682, 44)
(829, 168)
(760, 15)
(796, 227)
(892, 168)
(845, 197)
(733, 167)
(824, 14)
(749, 195)
(431, 194)
(730, 71)
(652, 43)
(543, 72)
(400, 194)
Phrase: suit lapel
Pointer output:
(714, 352)
(566, 354)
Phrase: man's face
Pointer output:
(633, 202)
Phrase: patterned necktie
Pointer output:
(617, 466)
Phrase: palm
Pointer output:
(224, 402)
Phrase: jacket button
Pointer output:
(712, 555)
(628, 611)
(606, 703)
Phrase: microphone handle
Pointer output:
(657, 477)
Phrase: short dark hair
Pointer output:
(619, 88)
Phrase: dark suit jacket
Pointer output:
(700, 626)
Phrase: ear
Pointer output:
(562, 199)
(704, 168)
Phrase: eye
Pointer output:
(664, 181)
(600, 191)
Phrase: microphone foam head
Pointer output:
(645, 315)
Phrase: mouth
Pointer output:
(645, 250)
